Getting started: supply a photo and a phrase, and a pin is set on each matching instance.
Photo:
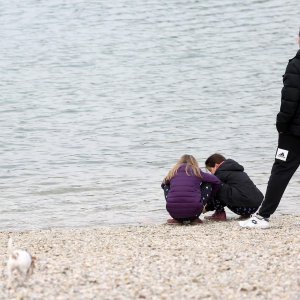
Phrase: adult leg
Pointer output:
(287, 161)
(282, 172)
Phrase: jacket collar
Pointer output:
(298, 54)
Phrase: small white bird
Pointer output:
(19, 260)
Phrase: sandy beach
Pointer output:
(208, 261)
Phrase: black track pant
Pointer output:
(287, 160)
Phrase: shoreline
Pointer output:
(214, 260)
(141, 223)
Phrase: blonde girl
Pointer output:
(186, 189)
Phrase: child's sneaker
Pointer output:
(255, 221)
(217, 216)
(173, 222)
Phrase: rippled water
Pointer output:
(99, 99)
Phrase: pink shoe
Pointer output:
(217, 216)
(173, 222)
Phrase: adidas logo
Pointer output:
(282, 154)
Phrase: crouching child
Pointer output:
(186, 190)
(237, 191)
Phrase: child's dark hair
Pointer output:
(214, 159)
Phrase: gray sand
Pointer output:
(208, 261)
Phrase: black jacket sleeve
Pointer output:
(290, 96)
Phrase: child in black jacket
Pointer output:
(237, 192)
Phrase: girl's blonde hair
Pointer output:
(191, 163)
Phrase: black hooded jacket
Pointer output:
(237, 190)
(288, 118)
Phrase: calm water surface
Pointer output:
(99, 100)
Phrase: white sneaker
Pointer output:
(255, 221)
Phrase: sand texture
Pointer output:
(214, 260)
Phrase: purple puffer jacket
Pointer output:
(184, 196)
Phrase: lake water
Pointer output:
(99, 99)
